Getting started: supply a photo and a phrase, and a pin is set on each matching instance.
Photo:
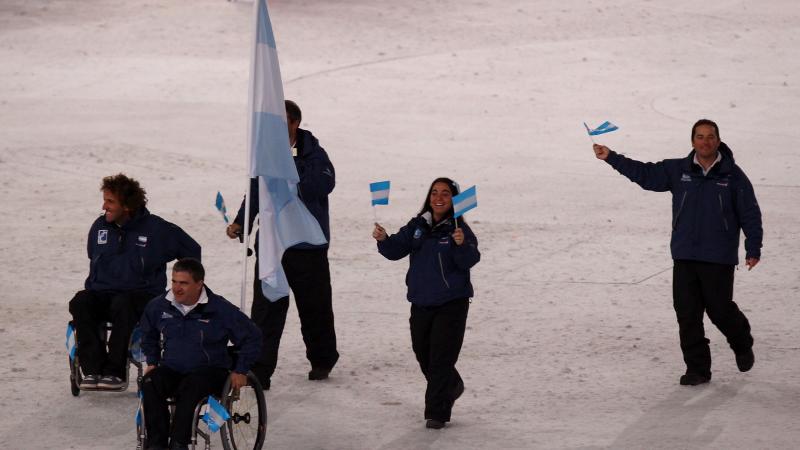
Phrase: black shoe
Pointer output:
(265, 385)
(110, 383)
(745, 360)
(693, 379)
(434, 424)
(318, 373)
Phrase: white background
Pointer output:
(571, 342)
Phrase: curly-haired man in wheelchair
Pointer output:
(185, 335)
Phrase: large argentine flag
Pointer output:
(283, 219)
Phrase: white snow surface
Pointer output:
(572, 341)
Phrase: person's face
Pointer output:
(185, 289)
(705, 141)
(115, 212)
(293, 126)
(441, 199)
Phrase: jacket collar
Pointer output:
(723, 167)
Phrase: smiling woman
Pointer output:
(441, 254)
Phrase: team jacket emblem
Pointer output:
(142, 242)
(102, 236)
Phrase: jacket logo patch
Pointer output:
(686, 177)
(204, 320)
(102, 236)
(142, 241)
(166, 315)
(722, 183)
(444, 241)
(417, 233)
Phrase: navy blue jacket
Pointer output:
(135, 255)
(438, 269)
(317, 180)
(198, 339)
(708, 211)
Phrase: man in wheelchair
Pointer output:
(185, 335)
(128, 249)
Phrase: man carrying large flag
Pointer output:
(291, 177)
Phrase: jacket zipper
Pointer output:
(203, 348)
(722, 212)
(441, 268)
(678, 214)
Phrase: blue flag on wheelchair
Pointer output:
(136, 352)
(464, 201)
(380, 192)
(216, 415)
(71, 345)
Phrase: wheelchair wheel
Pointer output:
(74, 372)
(247, 427)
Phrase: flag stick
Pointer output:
(590, 133)
(246, 242)
(375, 213)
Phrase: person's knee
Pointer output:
(80, 303)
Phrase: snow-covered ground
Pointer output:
(571, 340)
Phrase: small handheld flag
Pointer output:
(137, 354)
(71, 345)
(380, 192)
(216, 415)
(464, 201)
(220, 203)
(605, 127)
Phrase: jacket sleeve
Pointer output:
(466, 255)
(183, 246)
(749, 217)
(398, 245)
(650, 176)
(150, 335)
(317, 176)
(253, 206)
(246, 337)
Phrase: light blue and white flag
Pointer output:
(220, 204)
(71, 344)
(605, 127)
(380, 192)
(216, 415)
(283, 219)
(139, 409)
(464, 201)
(137, 354)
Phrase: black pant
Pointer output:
(310, 281)
(699, 287)
(437, 333)
(90, 310)
(187, 389)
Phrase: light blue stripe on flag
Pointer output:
(605, 127)
(465, 201)
(283, 219)
(220, 203)
(380, 192)
(216, 415)
(71, 345)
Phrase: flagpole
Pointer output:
(590, 133)
(246, 242)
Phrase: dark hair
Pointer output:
(705, 122)
(426, 205)
(293, 113)
(127, 190)
(191, 266)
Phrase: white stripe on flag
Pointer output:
(465, 201)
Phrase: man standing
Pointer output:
(712, 200)
(128, 251)
(185, 334)
(305, 265)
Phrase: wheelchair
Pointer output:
(135, 357)
(245, 429)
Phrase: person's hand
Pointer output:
(148, 368)
(458, 236)
(238, 380)
(379, 233)
(601, 151)
(751, 262)
(234, 230)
